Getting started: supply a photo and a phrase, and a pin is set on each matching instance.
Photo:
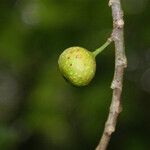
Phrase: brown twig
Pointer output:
(117, 83)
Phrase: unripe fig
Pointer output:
(77, 65)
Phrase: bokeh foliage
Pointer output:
(38, 108)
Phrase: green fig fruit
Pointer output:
(77, 65)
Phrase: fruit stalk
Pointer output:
(100, 49)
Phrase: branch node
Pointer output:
(116, 84)
(125, 63)
(122, 62)
(119, 24)
(113, 1)
(110, 129)
(114, 36)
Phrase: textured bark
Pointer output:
(120, 65)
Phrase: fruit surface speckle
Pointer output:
(77, 65)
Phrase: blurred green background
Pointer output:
(38, 109)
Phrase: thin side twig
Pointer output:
(117, 83)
